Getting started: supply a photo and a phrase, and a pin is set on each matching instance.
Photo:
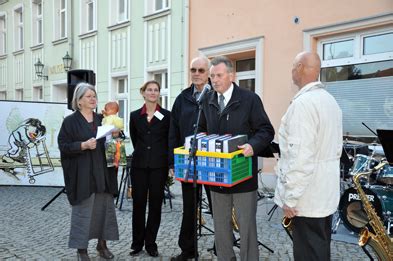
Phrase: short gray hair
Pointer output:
(80, 90)
(225, 60)
(204, 58)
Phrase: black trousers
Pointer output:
(147, 181)
(187, 229)
(311, 238)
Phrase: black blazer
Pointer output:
(244, 114)
(85, 171)
(150, 140)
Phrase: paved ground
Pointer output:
(27, 233)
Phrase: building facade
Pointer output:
(129, 42)
(354, 38)
(124, 42)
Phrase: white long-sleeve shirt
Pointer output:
(310, 139)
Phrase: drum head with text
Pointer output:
(351, 209)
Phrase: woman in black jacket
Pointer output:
(89, 184)
(149, 127)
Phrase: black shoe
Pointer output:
(82, 255)
(103, 250)
(135, 252)
(153, 253)
(183, 257)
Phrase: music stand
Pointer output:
(125, 180)
(386, 139)
(269, 152)
(53, 199)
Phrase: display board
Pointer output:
(29, 153)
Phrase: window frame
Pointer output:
(19, 27)
(118, 14)
(37, 21)
(84, 16)
(164, 91)
(40, 94)
(62, 25)
(165, 5)
(3, 95)
(358, 46)
(3, 34)
(19, 94)
(122, 97)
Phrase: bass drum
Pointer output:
(351, 210)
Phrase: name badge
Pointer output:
(158, 115)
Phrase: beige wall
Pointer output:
(219, 22)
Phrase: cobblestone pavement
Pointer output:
(27, 233)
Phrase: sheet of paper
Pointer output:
(104, 130)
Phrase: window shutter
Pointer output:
(367, 100)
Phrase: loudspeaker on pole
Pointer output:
(76, 76)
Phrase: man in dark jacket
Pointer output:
(183, 117)
(234, 110)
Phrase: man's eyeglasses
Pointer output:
(200, 70)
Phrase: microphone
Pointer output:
(205, 90)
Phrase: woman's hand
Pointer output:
(90, 144)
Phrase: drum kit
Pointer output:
(378, 188)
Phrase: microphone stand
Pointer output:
(192, 158)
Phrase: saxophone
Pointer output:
(287, 225)
(378, 240)
(235, 224)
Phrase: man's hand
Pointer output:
(171, 172)
(247, 150)
(289, 212)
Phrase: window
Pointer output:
(247, 58)
(337, 50)
(37, 21)
(60, 19)
(38, 93)
(3, 95)
(122, 10)
(245, 73)
(162, 79)
(358, 72)
(119, 11)
(382, 43)
(18, 21)
(160, 4)
(63, 18)
(154, 6)
(120, 88)
(88, 16)
(59, 92)
(19, 94)
(3, 34)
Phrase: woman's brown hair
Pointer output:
(144, 86)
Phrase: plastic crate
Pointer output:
(213, 168)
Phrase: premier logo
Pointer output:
(355, 196)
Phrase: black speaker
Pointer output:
(73, 78)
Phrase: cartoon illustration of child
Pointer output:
(24, 136)
(114, 146)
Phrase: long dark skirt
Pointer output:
(94, 217)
